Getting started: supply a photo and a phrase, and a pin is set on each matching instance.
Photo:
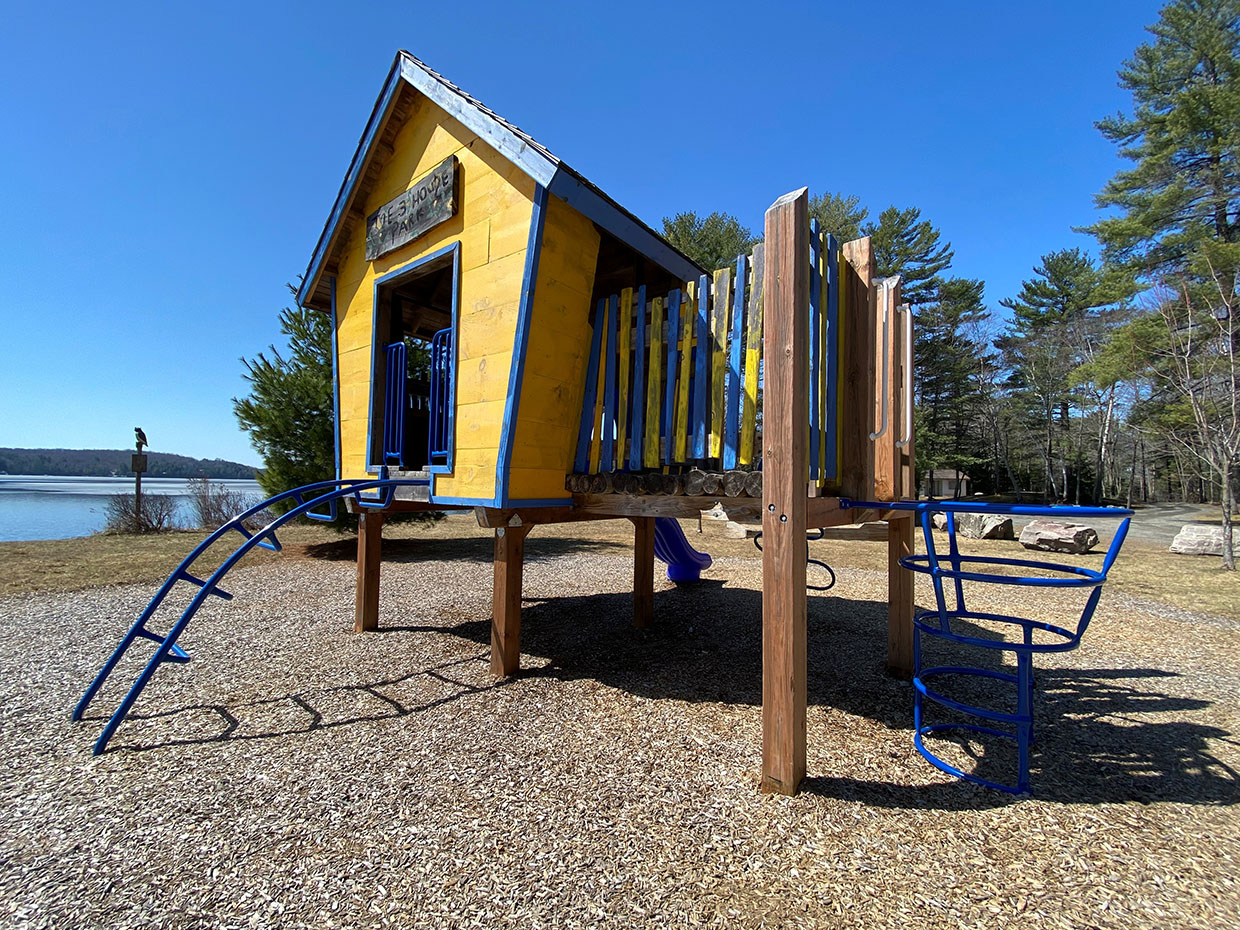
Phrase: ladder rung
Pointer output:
(269, 542)
(175, 654)
(186, 576)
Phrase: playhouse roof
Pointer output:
(515, 145)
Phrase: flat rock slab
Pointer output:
(1058, 537)
(1202, 539)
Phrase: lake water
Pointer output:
(55, 507)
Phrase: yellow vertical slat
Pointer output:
(622, 397)
(604, 372)
(718, 357)
(688, 314)
(654, 385)
(753, 356)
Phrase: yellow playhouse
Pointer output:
(452, 221)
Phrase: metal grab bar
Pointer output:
(885, 287)
(908, 377)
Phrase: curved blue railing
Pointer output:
(938, 622)
(332, 492)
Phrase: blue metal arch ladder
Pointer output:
(305, 500)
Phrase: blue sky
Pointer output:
(168, 167)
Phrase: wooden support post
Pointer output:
(784, 467)
(369, 557)
(506, 600)
(899, 598)
(857, 357)
(643, 571)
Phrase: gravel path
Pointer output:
(298, 775)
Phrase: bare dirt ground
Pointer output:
(298, 775)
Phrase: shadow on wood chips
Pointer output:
(1098, 736)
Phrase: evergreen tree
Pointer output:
(289, 411)
(712, 241)
(1045, 343)
(946, 377)
(1179, 206)
(911, 247)
(839, 215)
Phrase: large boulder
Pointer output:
(984, 526)
(1200, 539)
(1058, 537)
(979, 525)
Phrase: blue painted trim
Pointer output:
(515, 146)
(830, 467)
(815, 347)
(637, 396)
(589, 201)
(512, 403)
(607, 459)
(455, 250)
(673, 357)
(732, 410)
(360, 156)
(589, 396)
(701, 383)
(336, 379)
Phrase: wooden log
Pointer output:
(605, 506)
(652, 482)
(598, 484)
(713, 484)
(673, 484)
(643, 571)
(734, 483)
(899, 599)
(369, 559)
(753, 483)
(694, 482)
(506, 600)
(785, 460)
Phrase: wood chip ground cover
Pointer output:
(298, 775)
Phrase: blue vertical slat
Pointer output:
(582, 462)
(815, 340)
(637, 396)
(701, 371)
(732, 408)
(833, 356)
(673, 359)
(608, 460)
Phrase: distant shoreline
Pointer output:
(108, 463)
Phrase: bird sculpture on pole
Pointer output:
(140, 437)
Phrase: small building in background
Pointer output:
(947, 483)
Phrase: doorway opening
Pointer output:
(412, 386)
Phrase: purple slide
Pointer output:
(684, 563)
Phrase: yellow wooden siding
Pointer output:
(492, 226)
(549, 412)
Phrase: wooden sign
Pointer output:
(416, 211)
(137, 462)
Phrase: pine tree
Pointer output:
(911, 247)
(1179, 206)
(839, 215)
(945, 377)
(289, 411)
(713, 241)
(1044, 342)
